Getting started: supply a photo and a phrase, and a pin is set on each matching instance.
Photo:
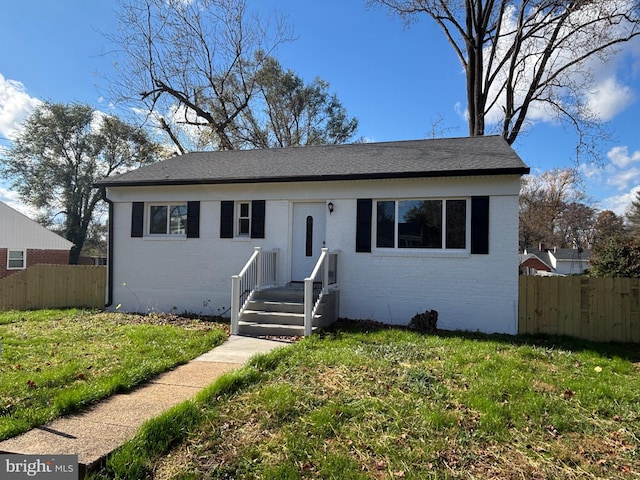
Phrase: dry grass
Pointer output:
(397, 404)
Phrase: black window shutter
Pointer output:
(480, 225)
(257, 218)
(364, 211)
(137, 219)
(226, 219)
(193, 219)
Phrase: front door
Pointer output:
(308, 238)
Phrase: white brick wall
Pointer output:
(470, 292)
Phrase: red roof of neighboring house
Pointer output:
(532, 261)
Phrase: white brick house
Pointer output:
(426, 224)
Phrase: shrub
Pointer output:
(425, 322)
(618, 256)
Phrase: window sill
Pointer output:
(421, 253)
(164, 238)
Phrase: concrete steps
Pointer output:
(279, 311)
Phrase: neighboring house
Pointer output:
(556, 261)
(418, 225)
(24, 242)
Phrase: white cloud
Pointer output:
(462, 112)
(622, 179)
(11, 198)
(609, 98)
(620, 157)
(15, 106)
(590, 171)
(619, 204)
(609, 94)
(622, 172)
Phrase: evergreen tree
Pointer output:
(617, 256)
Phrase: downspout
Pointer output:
(109, 249)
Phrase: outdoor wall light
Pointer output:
(330, 207)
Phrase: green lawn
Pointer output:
(56, 361)
(390, 403)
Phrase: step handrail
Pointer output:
(311, 299)
(260, 270)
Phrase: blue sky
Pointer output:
(397, 81)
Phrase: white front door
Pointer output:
(308, 238)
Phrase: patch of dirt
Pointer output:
(282, 338)
(543, 387)
(193, 323)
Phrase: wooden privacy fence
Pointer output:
(54, 286)
(599, 309)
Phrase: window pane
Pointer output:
(386, 223)
(16, 259)
(158, 221)
(420, 224)
(244, 210)
(456, 223)
(178, 219)
(309, 237)
(243, 226)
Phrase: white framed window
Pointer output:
(16, 259)
(243, 216)
(436, 224)
(168, 219)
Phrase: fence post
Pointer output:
(325, 270)
(259, 268)
(235, 303)
(274, 266)
(308, 306)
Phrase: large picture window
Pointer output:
(422, 223)
(169, 219)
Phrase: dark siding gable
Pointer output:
(226, 219)
(137, 219)
(479, 225)
(364, 212)
(193, 219)
(257, 218)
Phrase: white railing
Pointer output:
(325, 272)
(260, 270)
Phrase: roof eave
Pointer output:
(315, 178)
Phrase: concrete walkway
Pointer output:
(97, 431)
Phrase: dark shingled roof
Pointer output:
(488, 155)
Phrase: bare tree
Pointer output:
(575, 227)
(525, 57)
(543, 202)
(192, 65)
